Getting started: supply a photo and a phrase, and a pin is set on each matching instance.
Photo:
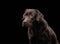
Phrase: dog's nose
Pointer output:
(25, 24)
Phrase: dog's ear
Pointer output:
(39, 15)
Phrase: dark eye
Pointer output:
(31, 15)
(26, 14)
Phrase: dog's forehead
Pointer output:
(30, 10)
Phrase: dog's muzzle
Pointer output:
(26, 24)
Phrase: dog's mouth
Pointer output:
(26, 24)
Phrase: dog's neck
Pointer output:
(38, 26)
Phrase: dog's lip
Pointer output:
(26, 25)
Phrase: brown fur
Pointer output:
(39, 32)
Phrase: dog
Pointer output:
(39, 32)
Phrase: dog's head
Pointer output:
(30, 16)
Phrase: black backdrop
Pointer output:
(13, 32)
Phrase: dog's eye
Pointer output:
(26, 14)
(31, 15)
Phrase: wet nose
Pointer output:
(25, 24)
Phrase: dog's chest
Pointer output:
(39, 38)
(42, 38)
(30, 34)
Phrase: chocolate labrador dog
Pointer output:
(39, 32)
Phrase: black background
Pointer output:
(11, 20)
